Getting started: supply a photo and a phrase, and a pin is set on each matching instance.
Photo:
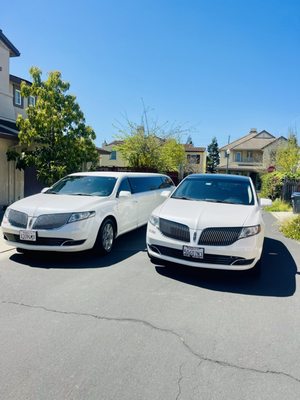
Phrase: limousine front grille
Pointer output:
(219, 236)
(17, 218)
(174, 230)
(51, 221)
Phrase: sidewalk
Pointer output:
(282, 216)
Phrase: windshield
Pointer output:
(217, 190)
(84, 186)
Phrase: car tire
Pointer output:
(105, 238)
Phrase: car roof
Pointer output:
(114, 174)
(218, 176)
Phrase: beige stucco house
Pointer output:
(195, 157)
(11, 104)
(252, 154)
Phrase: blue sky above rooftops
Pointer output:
(217, 67)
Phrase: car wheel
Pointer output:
(105, 239)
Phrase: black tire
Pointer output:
(105, 238)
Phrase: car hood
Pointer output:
(202, 214)
(43, 203)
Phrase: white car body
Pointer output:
(206, 233)
(127, 211)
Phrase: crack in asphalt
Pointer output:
(165, 330)
(179, 381)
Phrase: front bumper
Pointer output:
(77, 236)
(241, 255)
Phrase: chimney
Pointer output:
(253, 130)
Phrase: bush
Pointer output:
(279, 205)
(272, 185)
(291, 228)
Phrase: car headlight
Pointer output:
(154, 220)
(79, 216)
(249, 231)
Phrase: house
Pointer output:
(195, 159)
(11, 104)
(109, 156)
(251, 155)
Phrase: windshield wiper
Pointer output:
(50, 192)
(79, 194)
(181, 198)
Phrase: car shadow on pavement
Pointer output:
(276, 278)
(125, 246)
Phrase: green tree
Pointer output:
(54, 137)
(213, 157)
(153, 146)
(287, 157)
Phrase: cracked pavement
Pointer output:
(119, 328)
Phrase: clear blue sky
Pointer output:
(220, 66)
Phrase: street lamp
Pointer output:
(227, 155)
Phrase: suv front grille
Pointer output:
(219, 236)
(17, 218)
(174, 230)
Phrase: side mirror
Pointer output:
(265, 202)
(44, 189)
(165, 193)
(124, 193)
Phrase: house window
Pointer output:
(18, 101)
(31, 101)
(249, 156)
(238, 156)
(113, 155)
(193, 158)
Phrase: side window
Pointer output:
(113, 155)
(124, 185)
(18, 100)
(145, 184)
(166, 182)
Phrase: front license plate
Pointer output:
(194, 252)
(28, 235)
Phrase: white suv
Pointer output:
(210, 221)
(84, 211)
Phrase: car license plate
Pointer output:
(28, 235)
(194, 252)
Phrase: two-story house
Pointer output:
(250, 155)
(195, 158)
(11, 104)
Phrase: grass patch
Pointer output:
(279, 205)
(291, 228)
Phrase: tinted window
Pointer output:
(220, 190)
(166, 182)
(84, 186)
(145, 184)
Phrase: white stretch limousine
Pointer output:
(84, 211)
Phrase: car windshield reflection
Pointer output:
(212, 190)
(84, 186)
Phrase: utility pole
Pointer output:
(227, 155)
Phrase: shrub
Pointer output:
(272, 185)
(291, 228)
(279, 205)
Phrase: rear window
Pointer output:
(232, 191)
